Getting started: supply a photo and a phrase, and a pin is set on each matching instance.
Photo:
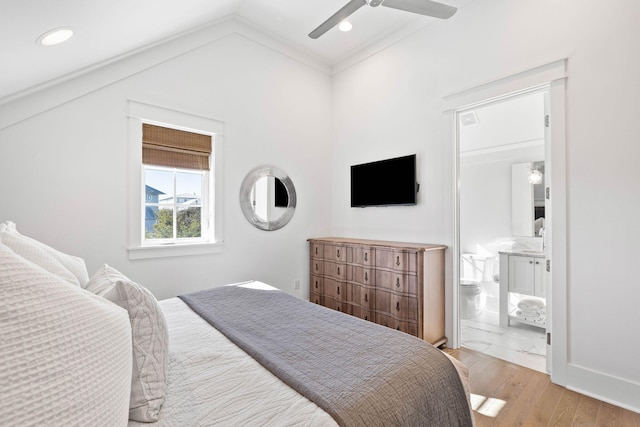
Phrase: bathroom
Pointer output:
(502, 294)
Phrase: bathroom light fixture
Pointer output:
(55, 36)
(345, 26)
(535, 176)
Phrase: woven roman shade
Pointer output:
(175, 148)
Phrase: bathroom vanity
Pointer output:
(522, 273)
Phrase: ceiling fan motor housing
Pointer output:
(375, 3)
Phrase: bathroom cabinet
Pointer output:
(522, 273)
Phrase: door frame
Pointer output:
(552, 77)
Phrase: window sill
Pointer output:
(173, 250)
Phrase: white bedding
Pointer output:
(213, 382)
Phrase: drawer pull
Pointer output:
(338, 290)
(338, 308)
(366, 277)
(398, 260)
(366, 298)
(398, 328)
(316, 284)
(338, 271)
(317, 267)
(366, 256)
(397, 282)
(530, 262)
(398, 306)
(366, 317)
(537, 262)
(316, 250)
(338, 255)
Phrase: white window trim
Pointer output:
(139, 113)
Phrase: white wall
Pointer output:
(390, 104)
(63, 174)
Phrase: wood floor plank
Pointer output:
(628, 418)
(586, 412)
(535, 386)
(531, 399)
(544, 405)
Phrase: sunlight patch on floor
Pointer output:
(488, 406)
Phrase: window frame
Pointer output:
(137, 247)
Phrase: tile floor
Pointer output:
(519, 343)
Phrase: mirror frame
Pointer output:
(245, 198)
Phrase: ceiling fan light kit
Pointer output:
(421, 7)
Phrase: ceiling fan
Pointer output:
(422, 7)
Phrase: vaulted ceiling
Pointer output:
(108, 29)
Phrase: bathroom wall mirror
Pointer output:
(527, 199)
(267, 198)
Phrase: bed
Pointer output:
(187, 372)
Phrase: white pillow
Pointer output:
(150, 340)
(68, 267)
(65, 357)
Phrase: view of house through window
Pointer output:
(176, 183)
(173, 203)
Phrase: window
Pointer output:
(175, 183)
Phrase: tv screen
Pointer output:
(384, 183)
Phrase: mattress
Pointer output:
(212, 382)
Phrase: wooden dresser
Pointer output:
(399, 285)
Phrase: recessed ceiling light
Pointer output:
(345, 26)
(55, 36)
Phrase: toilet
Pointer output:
(472, 272)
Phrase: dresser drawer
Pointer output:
(410, 328)
(336, 304)
(398, 260)
(317, 250)
(363, 276)
(317, 266)
(397, 282)
(315, 298)
(364, 313)
(364, 255)
(404, 307)
(316, 284)
(382, 301)
(335, 270)
(334, 289)
(363, 296)
(335, 253)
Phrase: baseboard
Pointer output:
(614, 390)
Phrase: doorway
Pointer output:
(502, 307)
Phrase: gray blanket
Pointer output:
(361, 373)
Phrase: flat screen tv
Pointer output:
(384, 183)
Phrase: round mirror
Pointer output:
(267, 198)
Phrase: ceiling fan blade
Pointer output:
(423, 7)
(337, 17)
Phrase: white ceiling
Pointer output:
(510, 123)
(107, 29)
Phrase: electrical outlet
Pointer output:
(296, 284)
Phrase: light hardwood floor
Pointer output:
(512, 395)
